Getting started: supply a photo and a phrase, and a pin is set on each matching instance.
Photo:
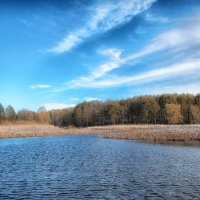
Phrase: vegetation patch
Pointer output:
(160, 109)
(152, 133)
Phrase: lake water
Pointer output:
(90, 167)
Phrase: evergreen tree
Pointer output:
(10, 113)
(2, 112)
(42, 109)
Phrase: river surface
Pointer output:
(90, 167)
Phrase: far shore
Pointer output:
(151, 133)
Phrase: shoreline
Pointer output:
(149, 133)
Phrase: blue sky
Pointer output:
(58, 53)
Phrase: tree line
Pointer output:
(159, 109)
(9, 114)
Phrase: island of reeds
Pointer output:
(167, 117)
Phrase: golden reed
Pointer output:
(160, 133)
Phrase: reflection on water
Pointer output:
(89, 167)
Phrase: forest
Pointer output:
(155, 109)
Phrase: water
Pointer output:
(90, 167)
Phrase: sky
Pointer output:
(58, 53)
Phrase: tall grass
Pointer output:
(21, 122)
(159, 133)
(13, 131)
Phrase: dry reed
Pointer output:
(14, 131)
(159, 133)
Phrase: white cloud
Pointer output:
(105, 17)
(54, 106)
(186, 87)
(39, 86)
(153, 18)
(149, 76)
(113, 53)
(74, 99)
(91, 99)
(179, 39)
(99, 72)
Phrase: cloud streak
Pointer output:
(176, 40)
(88, 99)
(104, 18)
(180, 39)
(55, 106)
(39, 86)
(183, 88)
(153, 75)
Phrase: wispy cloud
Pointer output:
(74, 99)
(169, 88)
(153, 18)
(104, 18)
(176, 40)
(39, 86)
(115, 59)
(113, 53)
(91, 99)
(191, 88)
(180, 39)
(54, 106)
(153, 75)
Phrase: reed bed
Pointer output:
(21, 122)
(14, 131)
(155, 133)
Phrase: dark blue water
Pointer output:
(90, 167)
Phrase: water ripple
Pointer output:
(89, 167)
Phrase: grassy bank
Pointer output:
(15, 131)
(155, 133)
